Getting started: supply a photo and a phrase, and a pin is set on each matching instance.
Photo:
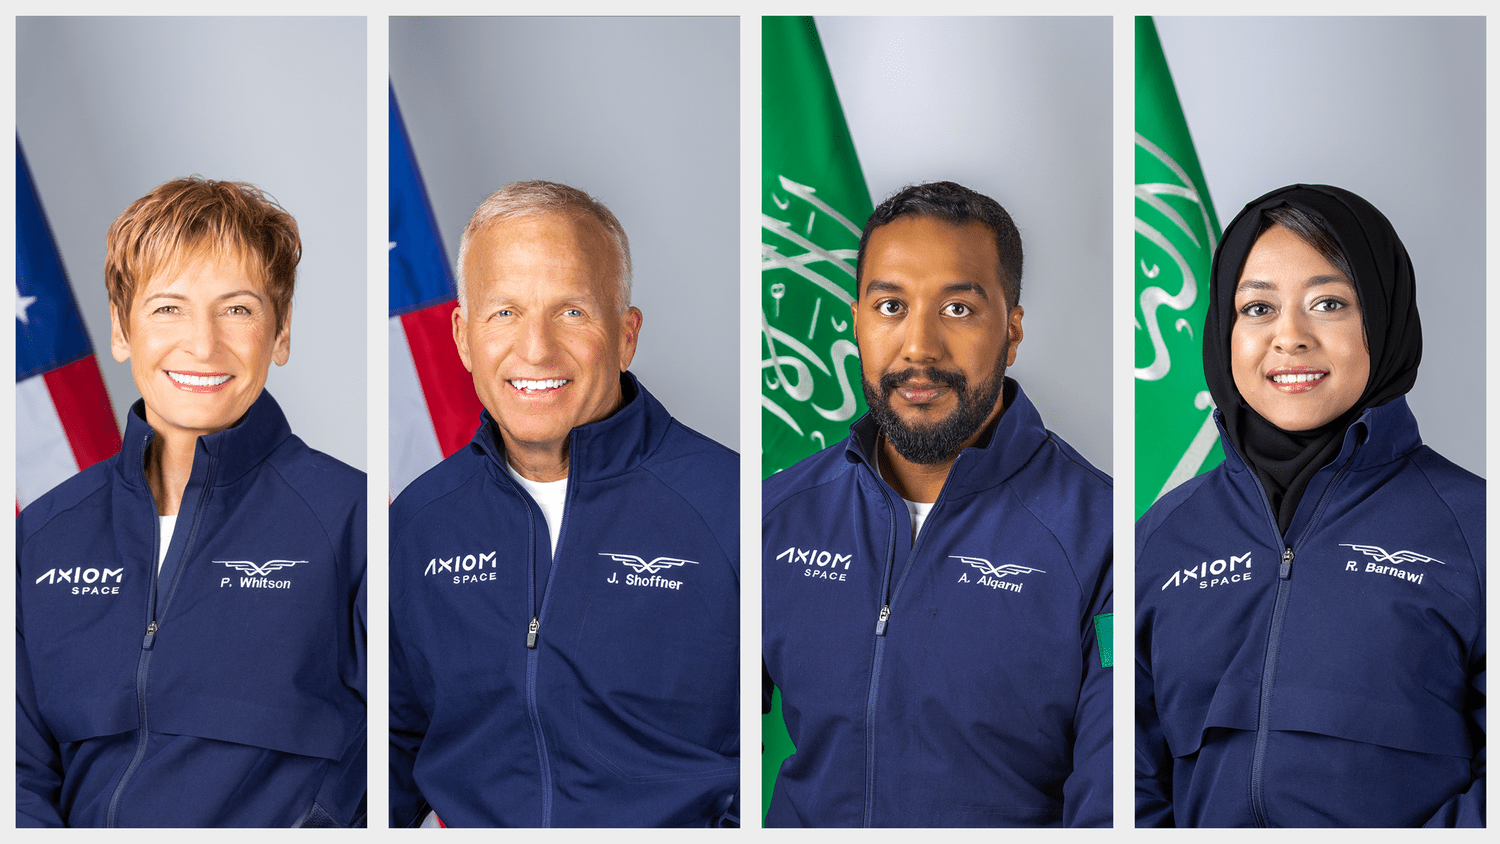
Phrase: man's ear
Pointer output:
(1014, 332)
(630, 334)
(461, 337)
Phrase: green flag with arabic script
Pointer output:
(814, 204)
(1175, 235)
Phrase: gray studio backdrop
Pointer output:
(1390, 108)
(1019, 109)
(109, 108)
(642, 113)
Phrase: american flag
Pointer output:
(434, 410)
(64, 420)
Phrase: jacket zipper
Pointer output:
(882, 623)
(1273, 643)
(533, 634)
(148, 641)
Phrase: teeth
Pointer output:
(198, 380)
(1300, 378)
(548, 384)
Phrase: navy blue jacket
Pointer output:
(982, 698)
(228, 692)
(620, 706)
(1334, 677)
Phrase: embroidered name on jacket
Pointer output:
(1395, 559)
(995, 576)
(86, 581)
(1236, 569)
(465, 568)
(824, 565)
(257, 574)
(646, 573)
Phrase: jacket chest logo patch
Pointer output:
(646, 573)
(819, 565)
(1005, 578)
(257, 575)
(85, 581)
(1388, 564)
(464, 568)
(1206, 575)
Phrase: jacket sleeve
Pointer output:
(1153, 761)
(408, 726)
(1467, 809)
(1088, 793)
(38, 760)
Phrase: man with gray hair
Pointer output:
(564, 589)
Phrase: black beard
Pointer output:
(941, 441)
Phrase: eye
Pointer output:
(238, 310)
(502, 313)
(888, 307)
(573, 312)
(1255, 309)
(166, 309)
(958, 309)
(1330, 304)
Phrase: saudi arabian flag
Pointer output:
(813, 206)
(1175, 234)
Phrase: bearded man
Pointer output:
(937, 588)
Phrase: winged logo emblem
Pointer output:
(988, 568)
(259, 570)
(660, 564)
(1395, 558)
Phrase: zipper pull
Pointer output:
(885, 616)
(531, 631)
(150, 638)
(1286, 564)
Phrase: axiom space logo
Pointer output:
(82, 581)
(1209, 574)
(822, 565)
(256, 575)
(464, 568)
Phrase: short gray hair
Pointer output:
(519, 199)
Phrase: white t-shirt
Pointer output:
(551, 496)
(917, 509)
(919, 513)
(168, 524)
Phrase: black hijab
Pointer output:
(1382, 275)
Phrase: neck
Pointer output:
(169, 464)
(912, 481)
(538, 462)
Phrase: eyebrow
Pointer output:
(955, 287)
(178, 297)
(1314, 281)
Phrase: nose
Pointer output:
(1292, 334)
(922, 342)
(538, 341)
(203, 337)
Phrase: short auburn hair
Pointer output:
(196, 218)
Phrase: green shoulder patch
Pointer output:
(1104, 628)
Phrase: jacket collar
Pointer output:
(1381, 434)
(233, 451)
(612, 446)
(997, 455)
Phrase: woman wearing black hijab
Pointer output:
(1310, 613)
